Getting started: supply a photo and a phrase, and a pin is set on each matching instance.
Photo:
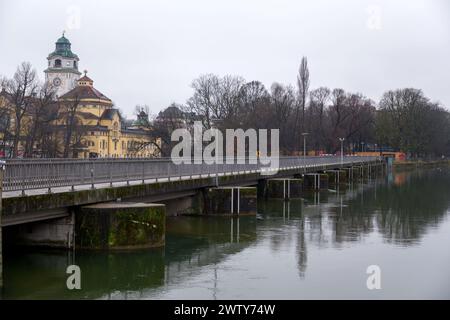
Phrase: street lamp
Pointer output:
(304, 134)
(342, 150)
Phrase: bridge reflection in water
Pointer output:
(210, 257)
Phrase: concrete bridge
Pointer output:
(50, 201)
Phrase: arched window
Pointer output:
(75, 65)
(57, 63)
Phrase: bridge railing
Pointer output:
(28, 174)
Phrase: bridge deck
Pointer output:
(36, 176)
(36, 203)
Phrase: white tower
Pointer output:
(62, 69)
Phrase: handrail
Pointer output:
(29, 174)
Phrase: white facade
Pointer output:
(62, 71)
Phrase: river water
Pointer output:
(316, 248)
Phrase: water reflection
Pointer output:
(205, 254)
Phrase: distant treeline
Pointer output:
(403, 120)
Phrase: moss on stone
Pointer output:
(100, 227)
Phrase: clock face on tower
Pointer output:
(57, 82)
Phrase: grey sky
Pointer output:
(148, 52)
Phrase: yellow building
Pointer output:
(85, 123)
(104, 132)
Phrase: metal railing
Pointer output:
(28, 174)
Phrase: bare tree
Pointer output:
(21, 90)
(303, 87)
(72, 124)
(317, 115)
(42, 113)
(216, 99)
(282, 107)
(408, 121)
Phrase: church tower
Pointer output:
(62, 69)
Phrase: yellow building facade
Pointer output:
(104, 131)
(86, 121)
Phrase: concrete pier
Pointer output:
(282, 188)
(54, 233)
(231, 201)
(120, 226)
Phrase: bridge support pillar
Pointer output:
(315, 181)
(336, 177)
(118, 225)
(355, 173)
(231, 201)
(53, 233)
(377, 169)
(281, 188)
(348, 173)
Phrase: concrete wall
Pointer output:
(185, 205)
(56, 233)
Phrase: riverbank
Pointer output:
(420, 163)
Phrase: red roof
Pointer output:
(84, 92)
(86, 79)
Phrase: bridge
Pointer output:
(40, 189)
(49, 201)
(36, 176)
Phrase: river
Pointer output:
(316, 248)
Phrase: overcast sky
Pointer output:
(148, 52)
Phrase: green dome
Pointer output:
(63, 40)
(63, 49)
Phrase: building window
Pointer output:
(75, 65)
(57, 63)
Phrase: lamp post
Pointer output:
(304, 134)
(342, 150)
